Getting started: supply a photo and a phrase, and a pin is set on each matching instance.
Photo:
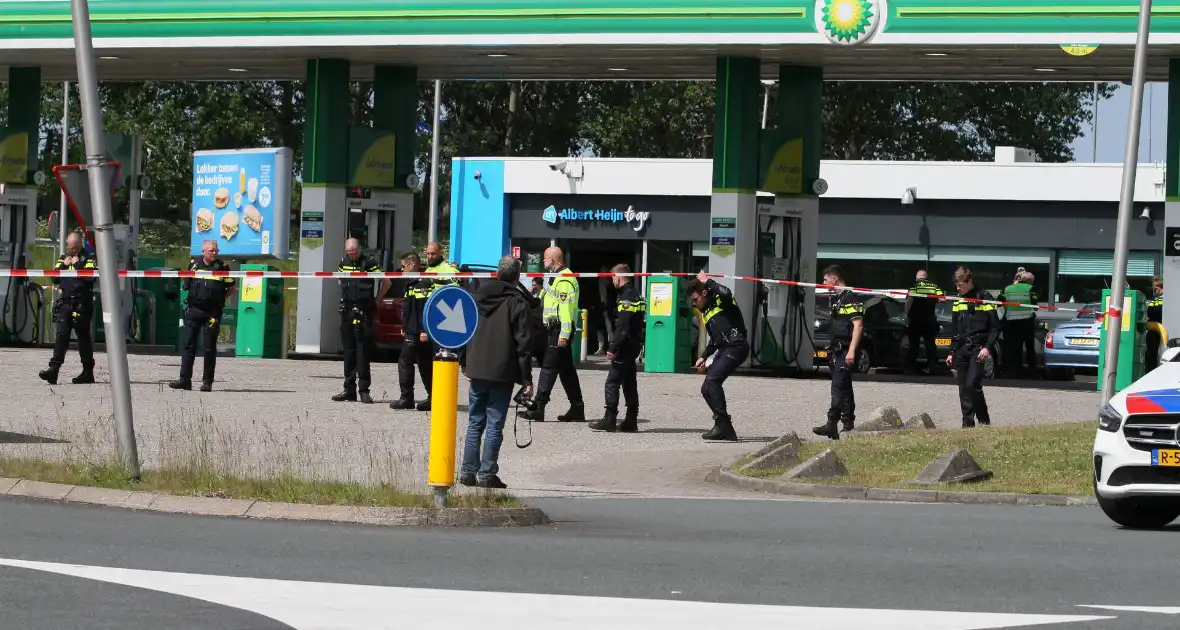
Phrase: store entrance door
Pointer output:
(598, 295)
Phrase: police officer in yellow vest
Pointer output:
(73, 312)
(1020, 325)
(358, 307)
(921, 322)
(1155, 315)
(435, 263)
(976, 330)
(417, 351)
(560, 303)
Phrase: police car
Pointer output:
(1137, 450)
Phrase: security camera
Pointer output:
(1146, 214)
(478, 176)
(560, 166)
(908, 197)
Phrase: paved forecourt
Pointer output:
(276, 416)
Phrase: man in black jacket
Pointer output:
(417, 351)
(358, 305)
(623, 346)
(728, 340)
(202, 316)
(497, 357)
(74, 312)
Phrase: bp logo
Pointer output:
(849, 22)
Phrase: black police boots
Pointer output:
(608, 422)
(365, 398)
(405, 402)
(423, 405)
(630, 422)
(830, 430)
(49, 375)
(345, 396)
(577, 413)
(182, 383)
(206, 386)
(87, 375)
(722, 430)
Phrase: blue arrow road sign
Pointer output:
(451, 317)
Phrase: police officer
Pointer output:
(74, 312)
(202, 316)
(1155, 315)
(728, 345)
(976, 330)
(921, 323)
(623, 346)
(357, 307)
(1020, 325)
(435, 263)
(417, 351)
(559, 307)
(847, 328)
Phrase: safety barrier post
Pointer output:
(585, 336)
(444, 412)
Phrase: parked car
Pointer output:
(387, 326)
(884, 344)
(1073, 344)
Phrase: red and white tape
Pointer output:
(327, 275)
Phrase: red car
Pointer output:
(387, 329)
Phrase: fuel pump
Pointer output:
(784, 315)
(383, 222)
(21, 301)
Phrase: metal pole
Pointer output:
(765, 103)
(134, 197)
(65, 159)
(1094, 139)
(1118, 285)
(432, 230)
(100, 196)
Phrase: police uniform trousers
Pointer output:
(725, 362)
(415, 353)
(558, 363)
(622, 375)
(1020, 336)
(922, 332)
(73, 316)
(969, 377)
(843, 406)
(203, 324)
(1151, 357)
(356, 335)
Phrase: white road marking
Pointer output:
(325, 606)
(1162, 610)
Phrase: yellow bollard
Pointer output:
(585, 336)
(444, 409)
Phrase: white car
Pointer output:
(1137, 450)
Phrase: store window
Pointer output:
(1084, 274)
(899, 274)
(1082, 289)
(672, 257)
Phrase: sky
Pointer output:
(1113, 114)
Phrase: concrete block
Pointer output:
(201, 505)
(882, 419)
(40, 490)
(786, 456)
(825, 465)
(790, 438)
(956, 466)
(98, 496)
(920, 421)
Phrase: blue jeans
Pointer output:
(487, 407)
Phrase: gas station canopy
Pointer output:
(993, 40)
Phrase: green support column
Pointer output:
(395, 108)
(733, 235)
(323, 217)
(325, 142)
(24, 111)
(800, 115)
(1171, 270)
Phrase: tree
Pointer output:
(649, 119)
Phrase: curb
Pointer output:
(723, 476)
(249, 508)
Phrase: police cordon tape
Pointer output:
(340, 275)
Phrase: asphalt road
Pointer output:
(675, 563)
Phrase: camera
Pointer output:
(478, 176)
(524, 401)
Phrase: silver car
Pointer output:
(1073, 344)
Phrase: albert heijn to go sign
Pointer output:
(638, 220)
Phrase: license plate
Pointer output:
(942, 342)
(1083, 341)
(1165, 457)
(821, 354)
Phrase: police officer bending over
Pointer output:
(560, 303)
(202, 316)
(357, 306)
(847, 328)
(417, 351)
(728, 340)
(73, 312)
(976, 330)
(626, 340)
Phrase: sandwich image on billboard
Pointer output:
(246, 193)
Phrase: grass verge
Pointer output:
(1052, 459)
(284, 489)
